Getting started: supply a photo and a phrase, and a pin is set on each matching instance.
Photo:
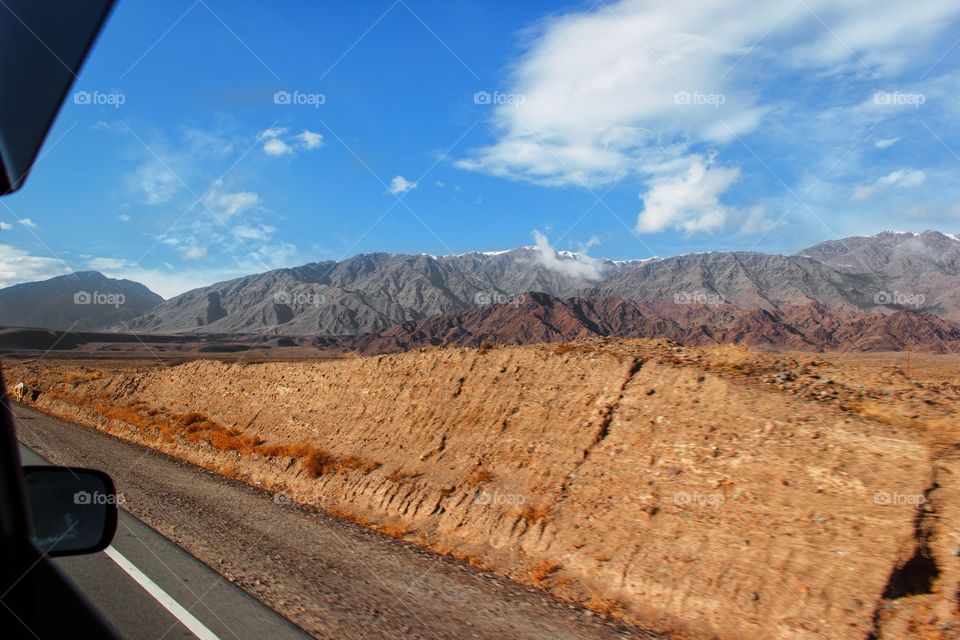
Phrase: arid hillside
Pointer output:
(707, 492)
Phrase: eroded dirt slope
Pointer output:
(711, 492)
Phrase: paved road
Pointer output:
(332, 578)
(148, 587)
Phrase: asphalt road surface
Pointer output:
(148, 587)
(331, 578)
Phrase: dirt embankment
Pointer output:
(709, 492)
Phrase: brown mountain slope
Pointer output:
(538, 317)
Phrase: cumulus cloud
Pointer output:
(227, 204)
(579, 266)
(154, 182)
(276, 142)
(586, 246)
(5, 226)
(399, 185)
(28, 223)
(273, 132)
(310, 140)
(689, 201)
(123, 217)
(17, 265)
(277, 147)
(253, 231)
(194, 252)
(637, 87)
(900, 179)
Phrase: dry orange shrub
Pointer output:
(479, 476)
(535, 513)
(393, 530)
(542, 570)
(285, 450)
(399, 475)
(81, 376)
(199, 428)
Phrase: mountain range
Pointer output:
(541, 318)
(823, 288)
(80, 301)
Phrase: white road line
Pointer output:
(185, 617)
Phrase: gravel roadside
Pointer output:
(333, 578)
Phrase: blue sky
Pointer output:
(208, 139)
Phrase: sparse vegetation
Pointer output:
(542, 570)
(393, 530)
(319, 463)
(532, 514)
(479, 476)
(398, 475)
(75, 377)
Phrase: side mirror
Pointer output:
(73, 511)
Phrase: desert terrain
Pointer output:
(705, 492)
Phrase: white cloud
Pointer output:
(194, 252)
(278, 143)
(586, 246)
(16, 266)
(688, 200)
(169, 281)
(154, 182)
(277, 147)
(883, 143)
(28, 223)
(209, 142)
(755, 221)
(5, 226)
(272, 132)
(901, 179)
(399, 185)
(123, 217)
(166, 282)
(640, 87)
(226, 204)
(580, 266)
(253, 232)
(310, 140)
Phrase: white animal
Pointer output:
(20, 392)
